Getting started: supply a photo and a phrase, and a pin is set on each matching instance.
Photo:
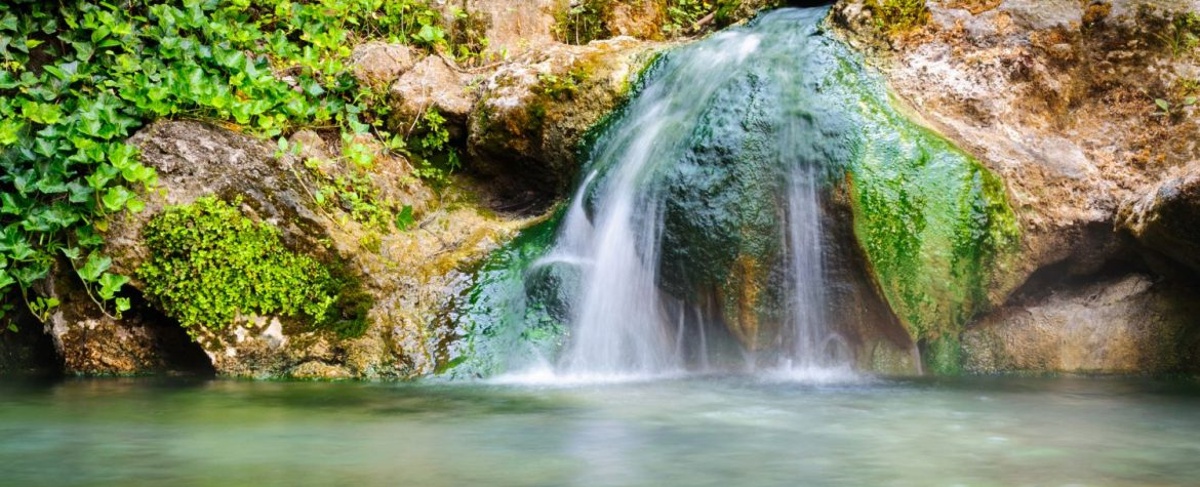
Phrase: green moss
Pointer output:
(898, 16)
(943, 355)
(510, 314)
(209, 264)
(934, 223)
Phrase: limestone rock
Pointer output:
(1167, 218)
(408, 275)
(378, 64)
(533, 112)
(433, 83)
(91, 342)
(1126, 325)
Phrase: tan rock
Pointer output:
(433, 83)
(378, 64)
(533, 112)
(1121, 326)
(1167, 217)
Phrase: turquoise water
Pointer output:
(718, 431)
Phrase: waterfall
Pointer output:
(621, 321)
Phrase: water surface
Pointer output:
(718, 431)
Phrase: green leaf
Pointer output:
(1163, 104)
(404, 219)
(96, 265)
(114, 198)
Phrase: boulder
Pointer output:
(406, 275)
(434, 83)
(1057, 99)
(1125, 325)
(378, 64)
(533, 112)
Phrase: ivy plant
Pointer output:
(77, 77)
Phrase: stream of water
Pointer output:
(701, 431)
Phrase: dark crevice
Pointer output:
(28, 350)
(179, 353)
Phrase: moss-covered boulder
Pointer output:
(270, 279)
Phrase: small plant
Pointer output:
(582, 22)
(898, 16)
(1172, 111)
(561, 87)
(210, 264)
(1182, 34)
(434, 158)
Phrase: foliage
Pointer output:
(434, 158)
(209, 264)
(1181, 34)
(77, 77)
(684, 16)
(561, 87)
(582, 22)
(898, 16)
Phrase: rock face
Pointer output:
(407, 274)
(1167, 218)
(1127, 325)
(1059, 99)
(532, 114)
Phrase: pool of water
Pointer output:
(696, 431)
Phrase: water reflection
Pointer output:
(717, 430)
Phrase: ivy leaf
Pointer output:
(43, 113)
(95, 267)
(404, 219)
(114, 198)
(111, 284)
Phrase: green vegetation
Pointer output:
(898, 16)
(78, 77)
(1182, 33)
(588, 20)
(561, 87)
(684, 16)
(209, 264)
(583, 22)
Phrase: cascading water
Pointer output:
(722, 222)
(621, 322)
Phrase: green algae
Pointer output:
(501, 319)
(934, 223)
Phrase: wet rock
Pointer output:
(88, 341)
(721, 223)
(1126, 325)
(1167, 218)
(1052, 97)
